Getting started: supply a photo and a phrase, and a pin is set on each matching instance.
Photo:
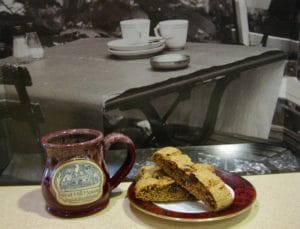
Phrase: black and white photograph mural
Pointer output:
(225, 79)
(275, 23)
(59, 21)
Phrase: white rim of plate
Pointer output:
(136, 52)
(120, 45)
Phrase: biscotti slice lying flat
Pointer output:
(202, 183)
(154, 185)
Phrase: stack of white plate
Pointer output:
(124, 50)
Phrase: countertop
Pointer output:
(277, 206)
(242, 159)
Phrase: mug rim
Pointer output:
(134, 20)
(173, 21)
(46, 138)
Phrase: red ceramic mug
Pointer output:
(75, 180)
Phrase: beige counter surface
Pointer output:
(277, 206)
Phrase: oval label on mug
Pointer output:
(78, 182)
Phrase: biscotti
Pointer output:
(154, 185)
(202, 183)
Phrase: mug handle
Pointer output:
(158, 34)
(125, 168)
(156, 31)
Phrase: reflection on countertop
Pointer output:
(243, 159)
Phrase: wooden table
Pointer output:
(77, 82)
(277, 206)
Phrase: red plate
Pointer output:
(244, 197)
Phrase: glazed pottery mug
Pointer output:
(174, 32)
(135, 31)
(75, 180)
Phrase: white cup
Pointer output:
(135, 31)
(174, 32)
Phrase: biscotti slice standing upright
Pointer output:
(154, 185)
(202, 183)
